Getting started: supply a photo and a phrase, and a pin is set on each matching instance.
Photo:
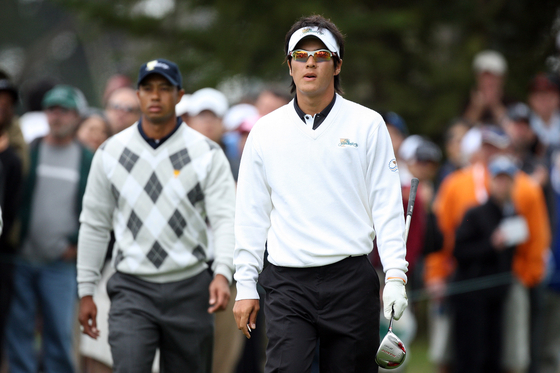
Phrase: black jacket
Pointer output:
(476, 257)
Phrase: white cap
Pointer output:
(182, 107)
(237, 114)
(407, 151)
(207, 99)
(470, 143)
(490, 61)
(323, 34)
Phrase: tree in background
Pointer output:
(412, 57)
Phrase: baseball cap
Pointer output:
(248, 124)
(407, 151)
(64, 96)
(493, 135)
(163, 67)
(490, 61)
(183, 105)
(237, 114)
(7, 86)
(502, 164)
(207, 99)
(519, 112)
(427, 151)
(395, 120)
(321, 33)
(471, 143)
(543, 82)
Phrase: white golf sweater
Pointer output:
(316, 195)
(157, 202)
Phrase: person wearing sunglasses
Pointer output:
(122, 109)
(316, 176)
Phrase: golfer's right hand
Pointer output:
(245, 313)
(88, 316)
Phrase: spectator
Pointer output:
(45, 273)
(487, 104)
(156, 184)
(468, 187)
(544, 99)
(94, 130)
(114, 83)
(529, 151)
(526, 146)
(10, 191)
(10, 123)
(123, 109)
(233, 119)
(397, 129)
(424, 166)
(452, 138)
(484, 247)
(205, 111)
(270, 99)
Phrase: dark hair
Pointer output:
(322, 23)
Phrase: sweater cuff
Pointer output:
(86, 288)
(246, 290)
(224, 270)
(392, 273)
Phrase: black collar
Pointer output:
(153, 142)
(319, 117)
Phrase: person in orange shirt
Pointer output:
(467, 188)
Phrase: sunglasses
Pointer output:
(320, 55)
(125, 108)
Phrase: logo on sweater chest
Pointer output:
(346, 142)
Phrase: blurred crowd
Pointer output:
(482, 248)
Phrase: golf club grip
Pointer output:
(411, 199)
(412, 196)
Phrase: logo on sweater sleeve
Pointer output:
(346, 142)
(393, 165)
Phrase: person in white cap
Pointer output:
(316, 176)
(205, 110)
(486, 103)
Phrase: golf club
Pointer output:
(392, 353)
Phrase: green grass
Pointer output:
(418, 348)
(419, 356)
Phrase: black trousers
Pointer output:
(6, 292)
(337, 304)
(478, 331)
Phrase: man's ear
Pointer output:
(338, 68)
(180, 94)
(290, 67)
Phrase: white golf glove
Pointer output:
(394, 298)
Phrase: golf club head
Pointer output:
(391, 352)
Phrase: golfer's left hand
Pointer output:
(394, 298)
(219, 294)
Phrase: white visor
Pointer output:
(323, 34)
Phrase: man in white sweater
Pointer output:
(318, 181)
(156, 184)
